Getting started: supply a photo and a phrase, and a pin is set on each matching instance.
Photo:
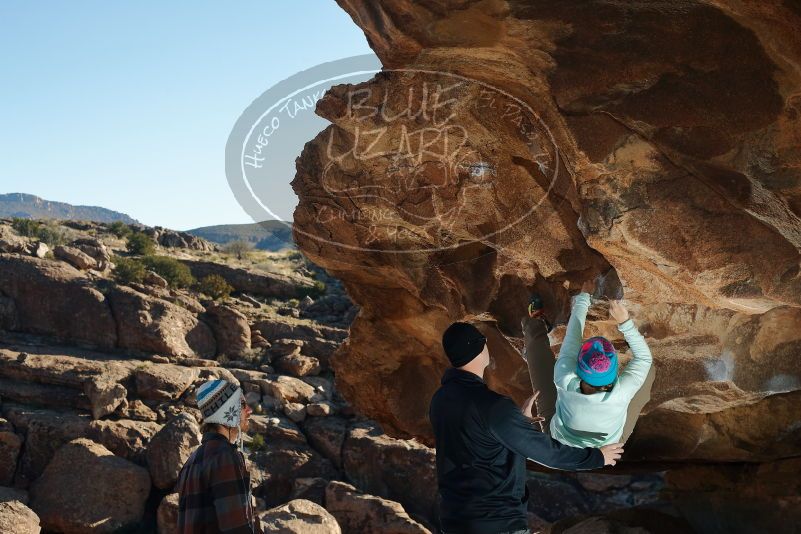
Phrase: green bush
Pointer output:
(173, 271)
(47, 232)
(240, 249)
(119, 229)
(214, 286)
(257, 443)
(140, 243)
(128, 270)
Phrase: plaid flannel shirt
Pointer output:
(214, 490)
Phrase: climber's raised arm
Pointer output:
(633, 377)
(565, 368)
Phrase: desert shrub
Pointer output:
(129, 270)
(240, 249)
(140, 243)
(47, 232)
(173, 271)
(119, 229)
(257, 443)
(214, 286)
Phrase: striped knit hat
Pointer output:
(597, 362)
(220, 402)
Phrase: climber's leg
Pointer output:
(637, 404)
(540, 359)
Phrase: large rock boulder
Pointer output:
(400, 470)
(16, 518)
(55, 299)
(169, 449)
(163, 382)
(125, 438)
(299, 517)
(356, 512)
(563, 149)
(86, 488)
(327, 435)
(231, 329)
(167, 515)
(75, 257)
(151, 324)
(95, 381)
(45, 432)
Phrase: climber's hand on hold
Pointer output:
(617, 311)
(612, 453)
(588, 286)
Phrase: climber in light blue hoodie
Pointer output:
(581, 397)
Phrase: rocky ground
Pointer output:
(97, 384)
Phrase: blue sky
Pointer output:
(128, 105)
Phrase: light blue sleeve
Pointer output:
(565, 369)
(633, 377)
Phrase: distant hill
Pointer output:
(265, 235)
(32, 207)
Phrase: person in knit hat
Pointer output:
(584, 400)
(214, 484)
(483, 440)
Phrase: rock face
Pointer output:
(251, 281)
(53, 298)
(85, 488)
(356, 512)
(299, 517)
(16, 518)
(566, 139)
(169, 449)
(151, 324)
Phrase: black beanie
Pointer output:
(462, 342)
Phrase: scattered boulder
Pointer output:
(356, 512)
(75, 257)
(163, 382)
(38, 249)
(105, 395)
(85, 488)
(167, 515)
(154, 279)
(295, 411)
(397, 469)
(10, 242)
(169, 449)
(299, 517)
(16, 518)
(286, 347)
(151, 324)
(125, 438)
(280, 462)
(288, 389)
(45, 432)
(138, 411)
(327, 435)
(74, 310)
(320, 409)
(298, 365)
(231, 328)
(312, 489)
